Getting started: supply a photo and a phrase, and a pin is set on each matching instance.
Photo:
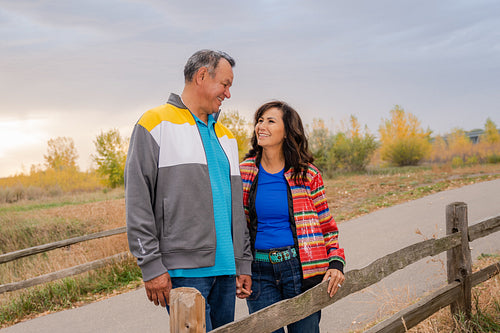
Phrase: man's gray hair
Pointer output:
(205, 58)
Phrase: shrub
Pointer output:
(472, 160)
(34, 192)
(352, 153)
(403, 141)
(348, 150)
(493, 159)
(457, 143)
(457, 161)
(405, 151)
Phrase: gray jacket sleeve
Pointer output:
(141, 172)
(241, 236)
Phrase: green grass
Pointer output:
(26, 208)
(398, 170)
(65, 200)
(482, 320)
(488, 255)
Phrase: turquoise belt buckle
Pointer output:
(279, 256)
(275, 256)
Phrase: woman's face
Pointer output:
(270, 129)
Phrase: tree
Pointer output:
(111, 156)
(403, 140)
(240, 128)
(459, 144)
(352, 150)
(320, 144)
(491, 134)
(61, 154)
(440, 152)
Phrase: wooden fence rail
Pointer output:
(288, 311)
(62, 273)
(52, 246)
(428, 305)
(65, 272)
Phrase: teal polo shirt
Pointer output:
(219, 172)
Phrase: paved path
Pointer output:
(364, 239)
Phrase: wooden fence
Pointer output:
(11, 256)
(187, 314)
(457, 293)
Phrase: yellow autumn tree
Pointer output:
(489, 143)
(403, 140)
(240, 128)
(440, 152)
(459, 144)
(61, 154)
(491, 134)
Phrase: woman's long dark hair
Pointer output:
(295, 145)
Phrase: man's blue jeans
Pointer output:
(220, 297)
(272, 283)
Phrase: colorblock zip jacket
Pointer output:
(314, 229)
(169, 206)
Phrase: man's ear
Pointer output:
(201, 75)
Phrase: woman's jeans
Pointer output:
(220, 297)
(272, 283)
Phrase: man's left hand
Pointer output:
(243, 286)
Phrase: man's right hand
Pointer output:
(158, 289)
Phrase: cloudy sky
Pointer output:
(75, 68)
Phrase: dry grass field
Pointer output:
(354, 195)
(33, 222)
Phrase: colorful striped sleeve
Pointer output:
(326, 221)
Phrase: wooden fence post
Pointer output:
(187, 311)
(459, 262)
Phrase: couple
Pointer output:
(186, 205)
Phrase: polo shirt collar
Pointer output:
(210, 123)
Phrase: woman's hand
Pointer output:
(243, 286)
(336, 278)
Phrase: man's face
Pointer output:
(216, 88)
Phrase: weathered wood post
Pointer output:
(459, 262)
(187, 311)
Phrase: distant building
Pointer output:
(473, 135)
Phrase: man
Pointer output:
(183, 192)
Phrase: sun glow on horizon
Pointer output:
(24, 139)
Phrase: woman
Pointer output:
(293, 235)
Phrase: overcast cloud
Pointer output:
(74, 68)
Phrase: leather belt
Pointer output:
(275, 256)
